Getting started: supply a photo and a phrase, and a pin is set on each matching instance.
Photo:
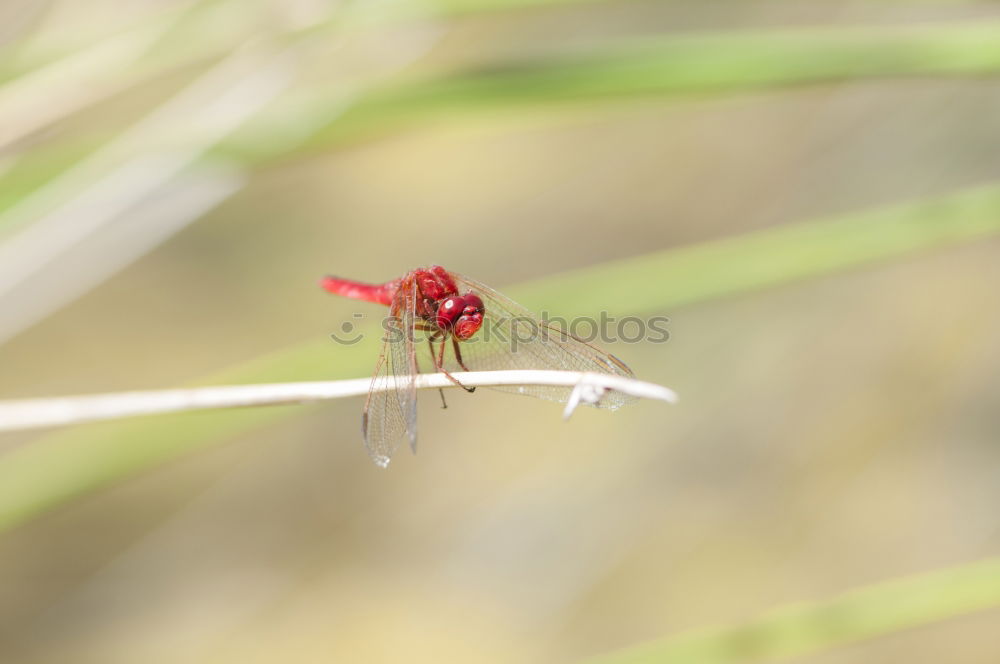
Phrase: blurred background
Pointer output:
(176, 175)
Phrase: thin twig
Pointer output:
(35, 413)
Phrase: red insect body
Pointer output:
(451, 309)
(437, 300)
(377, 293)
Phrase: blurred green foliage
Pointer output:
(83, 99)
(865, 613)
(38, 477)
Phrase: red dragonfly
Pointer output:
(482, 329)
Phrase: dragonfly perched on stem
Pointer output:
(467, 326)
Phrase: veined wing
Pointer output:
(391, 407)
(513, 338)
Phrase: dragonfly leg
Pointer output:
(430, 343)
(439, 359)
(458, 354)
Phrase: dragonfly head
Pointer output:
(461, 314)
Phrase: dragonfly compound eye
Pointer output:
(472, 317)
(448, 312)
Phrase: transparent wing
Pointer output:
(391, 409)
(513, 338)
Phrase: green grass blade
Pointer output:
(44, 474)
(697, 64)
(865, 613)
(774, 256)
(713, 63)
